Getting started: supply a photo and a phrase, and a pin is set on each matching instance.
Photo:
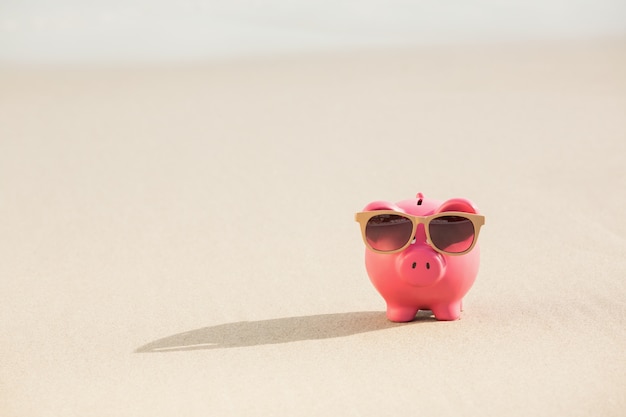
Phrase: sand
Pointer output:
(180, 240)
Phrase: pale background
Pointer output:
(105, 31)
(178, 184)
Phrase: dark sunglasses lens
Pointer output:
(453, 234)
(388, 232)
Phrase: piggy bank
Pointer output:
(421, 254)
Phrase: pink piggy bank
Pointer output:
(421, 254)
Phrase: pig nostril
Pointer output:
(414, 265)
(427, 265)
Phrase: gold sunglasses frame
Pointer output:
(478, 220)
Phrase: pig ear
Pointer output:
(381, 205)
(458, 204)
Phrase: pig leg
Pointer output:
(400, 314)
(447, 312)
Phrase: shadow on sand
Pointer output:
(283, 330)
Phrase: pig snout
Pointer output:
(421, 266)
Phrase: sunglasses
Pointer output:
(450, 232)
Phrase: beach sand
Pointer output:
(180, 240)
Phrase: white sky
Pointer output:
(66, 31)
